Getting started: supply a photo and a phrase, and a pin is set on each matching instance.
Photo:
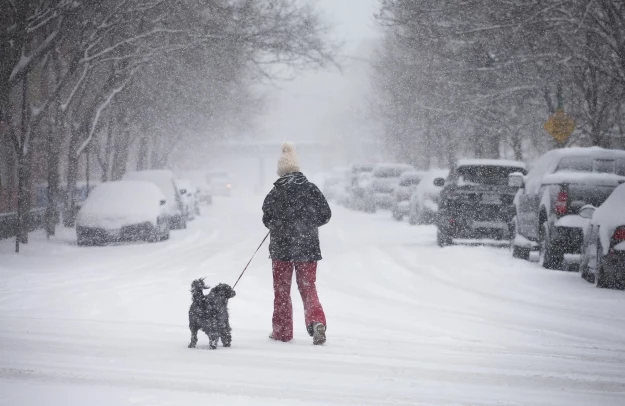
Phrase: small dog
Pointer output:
(209, 313)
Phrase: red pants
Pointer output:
(306, 276)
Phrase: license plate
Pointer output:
(490, 198)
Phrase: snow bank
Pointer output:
(164, 179)
(609, 216)
(113, 205)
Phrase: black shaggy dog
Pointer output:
(209, 313)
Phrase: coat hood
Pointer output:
(293, 178)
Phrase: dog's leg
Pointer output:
(226, 333)
(194, 331)
(213, 340)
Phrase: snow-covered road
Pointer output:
(408, 323)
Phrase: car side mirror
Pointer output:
(439, 182)
(587, 211)
(163, 202)
(516, 180)
(183, 191)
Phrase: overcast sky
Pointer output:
(318, 105)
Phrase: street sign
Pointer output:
(560, 126)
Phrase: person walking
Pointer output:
(293, 211)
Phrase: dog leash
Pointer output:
(250, 261)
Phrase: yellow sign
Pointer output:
(560, 126)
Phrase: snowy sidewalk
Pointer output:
(408, 323)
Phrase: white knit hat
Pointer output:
(288, 161)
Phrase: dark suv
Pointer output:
(476, 201)
(547, 207)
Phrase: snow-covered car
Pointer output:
(603, 249)
(425, 198)
(188, 194)
(385, 179)
(220, 182)
(204, 191)
(352, 179)
(408, 182)
(360, 196)
(123, 211)
(477, 201)
(165, 180)
(547, 207)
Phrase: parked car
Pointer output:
(385, 179)
(166, 182)
(360, 196)
(603, 249)
(189, 199)
(123, 211)
(424, 200)
(477, 201)
(560, 184)
(408, 182)
(355, 172)
(204, 191)
(220, 182)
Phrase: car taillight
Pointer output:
(561, 206)
(619, 235)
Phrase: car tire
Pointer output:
(520, 252)
(549, 257)
(602, 280)
(443, 239)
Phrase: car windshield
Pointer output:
(486, 174)
(389, 172)
(590, 164)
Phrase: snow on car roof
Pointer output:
(394, 166)
(594, 178)
(596, 152)
(121, 203)
(412, 175)
(162, 178)
(491, 162)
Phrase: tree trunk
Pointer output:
(53, 153)
(142, 156)
(72, 178)
(120, 155)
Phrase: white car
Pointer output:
(188, 193)
(220, 183)
(123, 211)
(424, 199)
(603, 249)
(408, 181)
(166, 182)
(204, 191)
(385, 179)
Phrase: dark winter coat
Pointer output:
(293, 211)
